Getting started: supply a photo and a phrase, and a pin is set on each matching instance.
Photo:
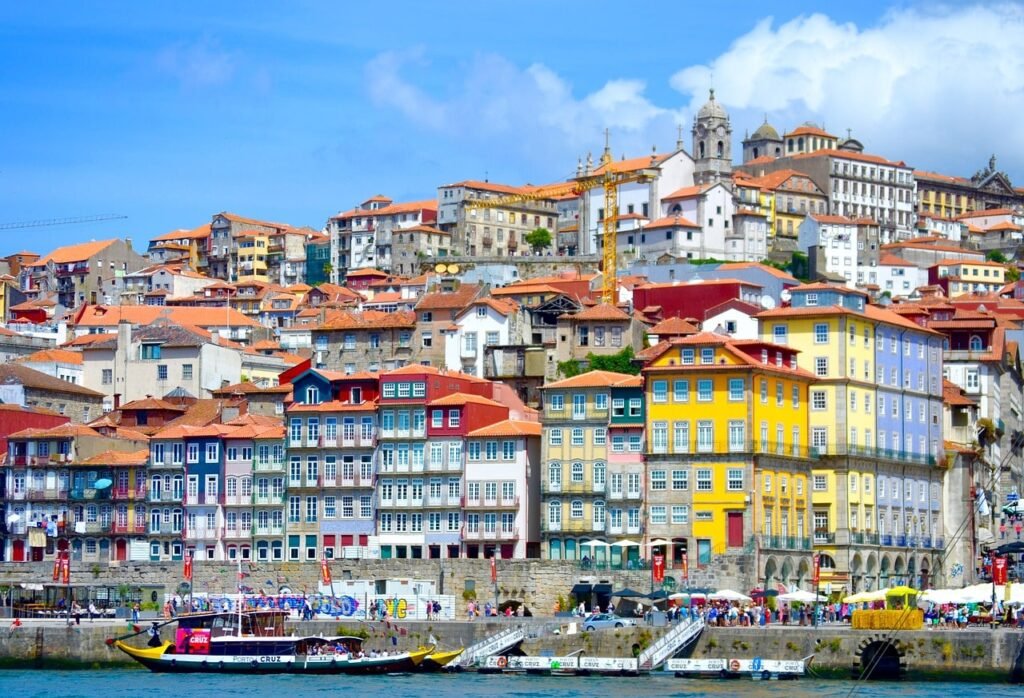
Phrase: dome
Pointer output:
(712, 109)
(766, 132)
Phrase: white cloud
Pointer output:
(197, 64)
(533, 110)
(940, 89)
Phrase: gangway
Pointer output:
(495, 644)
(670, 644)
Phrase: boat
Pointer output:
(438, 660)
(756, 668)
(254, 642)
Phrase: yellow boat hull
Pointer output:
(435, 661)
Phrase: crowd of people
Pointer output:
(475, 610)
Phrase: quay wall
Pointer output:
(948, 655)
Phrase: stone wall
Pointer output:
(536, 582)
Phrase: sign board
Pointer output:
(608, 663)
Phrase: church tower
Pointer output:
(712, 143)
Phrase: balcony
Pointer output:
(499, 503)
(71, 269)
(268, 531)
(166, 464)
(47, 494)
(901, 541)
(359, 441)
(238, 500)
(824, 538)
(167, 530)
(786, 543)
(875, 453)
(885, 539)
(136, 529)
(91, 527)
(581, 487)
(265, 499)
(237, 533)
(491, 534)
(202, 534)
(159, 496)
(268, 466)
(88, 493)
(129, 493)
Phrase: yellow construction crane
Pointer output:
(610, 180)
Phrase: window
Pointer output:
(681, 391)
(577, 436)
(161, 372)
(737, 435)
(705, 390)
(600, 436)
(618, 407)
(659, 514)
(821, 366)
(680, 514)
(705, 436)
(681, 437)
(576, 509)
(734, 479)
(579, 406)
(556, 402)
(736, 389)
(108, 376)
(659, 480)
(555, 437)
(601, 402)
(703, 479)
(454, 418)
(707, 355)
(686, 357)
(820, 483)
(681, 480)
(660, 391)
(821, 333)
(186, 372)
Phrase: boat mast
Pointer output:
(239, 597)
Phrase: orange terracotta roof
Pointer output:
(674, 326)
(357, 273)
(393, 209)
(502, 306)
(368, 319)
(967, 262)
(63, 431)
(671, 222)
(891, 260)
(632, 164)
(73, 253)
(953, 394)
(151, 403)
(687, 192)
(848, 155)
(384, 298)
(598, 379)
(1004, 225)
(110, 316)
(777, 273)
(834, 220)
(604, 311)
(701, 282)
(949, 179)
(63, 356)
(485, 186)
(455, 399)
(118, 458)
(87, 339)
(508, 427)
(808, 130)
(453, 300)
(984, 213)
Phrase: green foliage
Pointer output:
(570, 368)
(538, 239)
(1012, 273)
(359, 632)
(792, 647)
(996, 256)
(469, 595)
(620, 362)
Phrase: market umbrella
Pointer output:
(659, 595)
(628, 593)
(729, 595)
(626, 544)
(801, 596)
(593, 543)
(762, 593)
(1016, 546)
(103, 483)
(679, 596)
(657, 542)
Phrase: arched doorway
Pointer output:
(771, 570)
(786, 573)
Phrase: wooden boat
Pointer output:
(756, 668)
(253, 642)
(438, 660)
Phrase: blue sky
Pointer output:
(168, 113)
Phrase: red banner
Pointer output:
(66, 568)
(658, 568)
(999, 570)
(57, 566)
(325, 571)
(494, 569)
(817, 571)
(686, 567)
(188, 567)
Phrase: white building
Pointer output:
(361, 238)
(59, 363)
(893, 274)
(833, 239)
(485, 322)
(674, 171)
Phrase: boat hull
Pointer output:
(158, 659)
(437, 660)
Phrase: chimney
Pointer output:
(124, 335)
(117, 400)
(128, 241)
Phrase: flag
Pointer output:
(494, 569)
(56, 567)
(66, 568)
(188, 567)
(16, 623)
(325, 571)
(658, 568)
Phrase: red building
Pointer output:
(15, 418)
(691, 298)
(459, 413)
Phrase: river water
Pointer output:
(123, 683)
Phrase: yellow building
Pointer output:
(727, 456)
(575, 489)
(785, 197)
(960, 277)
(253, 248)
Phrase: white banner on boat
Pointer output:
(608, 664)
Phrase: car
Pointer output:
(597, 621)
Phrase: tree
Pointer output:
(538, 239)
(620, 362)
(996, 256)
(1012, 273)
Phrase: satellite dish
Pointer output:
(440, 268)
(767, 302)
(13, 518)
(453, 268)
(785, 295)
